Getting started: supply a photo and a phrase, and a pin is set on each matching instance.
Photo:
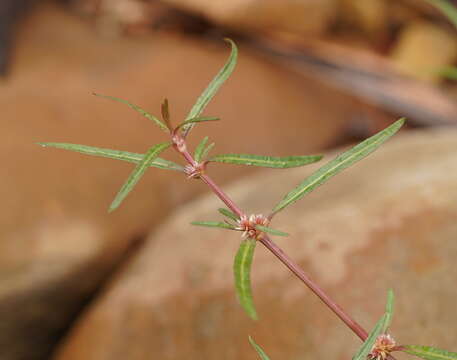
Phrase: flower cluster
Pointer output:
(382, 348)
(247, 225)
(194, 172)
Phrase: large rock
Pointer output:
(57, 240)
(300, 17)
(388, 222)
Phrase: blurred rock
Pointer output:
(57, 240)
(388, 222)
(422, 49)
(370, 15)
(303, 17)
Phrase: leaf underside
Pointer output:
(430, 353)
(114, 154)
(242, 271)
(137, 173)
(259, 350)
(338, 164)
(266, 161)
(212, 88)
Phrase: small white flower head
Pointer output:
(179, 142)
(382, 348)
(247, 225)
(194, 172)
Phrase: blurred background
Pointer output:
(313, 75)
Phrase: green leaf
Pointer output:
(197, 120)
(137, 109)
(449, 72)
(242, 272)
(213, 87)
(207, 150)
(340, 163)
(446, 8)
(137, 173)
(366, 347)
(114, 154)
(213, 224)
(199, 149)
(266, 161)
(271, 231)
(429, 353)
(259, 350)
(389, 310)
(228, 214)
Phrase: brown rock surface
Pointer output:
(388, 222)
(57, 240)
(304, 17)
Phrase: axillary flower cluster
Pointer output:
(248, 226)
(382, 348)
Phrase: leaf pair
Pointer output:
(151, 157)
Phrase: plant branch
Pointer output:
(286, 260)
(277, 251)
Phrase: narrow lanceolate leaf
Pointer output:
(213, 224)
(242, 272)
(259, 350)
(266, 161)
(429, 353)
(389, 310)
(139, 110)
(207, 150)
(199, 149)
(197, 120)
(338, 164)
(228, 214)
(446, 8)
(137, 173)
(213, 87)
(366, 347)
(271, 231)
(114, 154)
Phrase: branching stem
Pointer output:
(276, 250)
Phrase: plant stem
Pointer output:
(279, 253)
(286, 260)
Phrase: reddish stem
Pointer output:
(286, 260)
(277, 251)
